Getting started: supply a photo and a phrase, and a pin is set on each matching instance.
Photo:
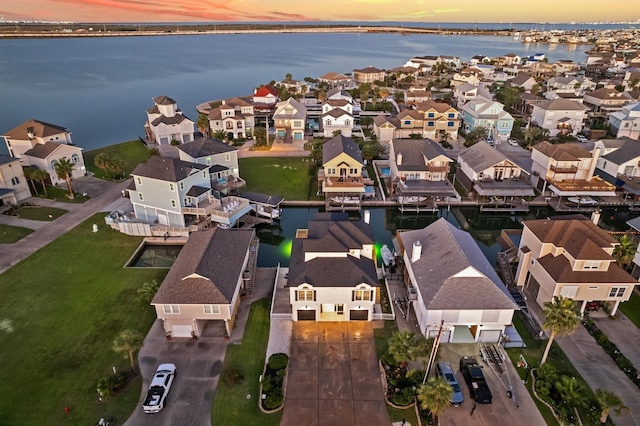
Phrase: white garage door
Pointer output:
(163, 219)
(489, 336)
(181, 330)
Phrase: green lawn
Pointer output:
(631, 308)
(285, 177)
(59, 194)
(131, 153)
(10, 234)
(40, 213)
(65, 304)
(231, 406)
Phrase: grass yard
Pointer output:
(46, 214)
(10, 234)
(231, 406)
(131, 153)
(631, 308)
(65, 305)
(286, 177)
(59, 194)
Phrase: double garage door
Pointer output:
(181, 330)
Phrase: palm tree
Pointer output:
(365, 90)
(64, 170)
(435, 395)
(203, 124)
(402, 346)
(572, 393)
(102, 162)
(145, 293)
(561, 318)
(116, 166)
(608, 400)
(373, 149)
(127, 342)
(220, 135)
(28, 173)
(384, 93)
(444, 139)
(41, 175)
(625, 252)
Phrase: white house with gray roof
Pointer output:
(290, 119)
(337, 116)
(560, 116)
(13, 185)
(203, 287)
(626, 122)
(166, 123)
(454, 285)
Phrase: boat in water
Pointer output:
(584, 201)
(387, 256)
(411, 200)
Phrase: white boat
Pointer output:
(410, 200)
(387, 256)
(346, 200)
(268, 212)
(584, 201)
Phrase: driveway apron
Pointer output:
(333, 376)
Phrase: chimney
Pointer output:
(596, 154)
(367, 216)
(417, 251)
(30, 132)
(399, 159)
(595, 217)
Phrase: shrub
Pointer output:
(273, 400)
(175, 142)
(402, 396)
(278, 361)
(109, 385)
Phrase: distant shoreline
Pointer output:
(133, 30)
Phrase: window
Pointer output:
(139, 181)
(430, 123)
(297, 124)
(331, 171)
(450, 124)
(140, 197)
(229, 125)
(617, 291)
(171, 309)
(591, 264)
(75, 159)
(208, 161)
(15, 180)
(173, 203)
(431, 115)
(239, 124)
(182, 186)
(407, 122)
(347, 122)
(227, 157)
(53, 164)
(204, 174)
(305, 295)
(569, 291)
(211, 309)
(172, 187)
(452, 115)
(353, 171)
(362, 295)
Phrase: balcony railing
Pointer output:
(563, 169)
(344, 182)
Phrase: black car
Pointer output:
(472, 373)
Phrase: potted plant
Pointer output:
(168, 335)
(194, 335)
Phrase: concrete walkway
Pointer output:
(10, 254)
(622, 332)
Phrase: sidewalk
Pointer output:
(622, 332)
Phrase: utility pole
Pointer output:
(434, 352)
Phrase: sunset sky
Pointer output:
(324, 10)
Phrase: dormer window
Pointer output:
(591, 264)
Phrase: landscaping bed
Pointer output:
(45, 214)
(273, 382)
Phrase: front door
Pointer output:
(343, 173)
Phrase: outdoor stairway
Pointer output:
(251, 264)
(505, 266)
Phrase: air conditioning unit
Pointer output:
(412, 293)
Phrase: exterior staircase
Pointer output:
(251, 265)
(504, 263)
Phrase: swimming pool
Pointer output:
(385, 172)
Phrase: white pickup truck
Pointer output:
(159, 388)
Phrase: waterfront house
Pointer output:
(340, 178)
(452, 286)
(488, 114)
(235, 117)
(571, 258)
(512, 59)
(486, 171)
(338, 80)
(290, 118)
(566, 67)
(559, 116)
(568, 170)
(201, 293)
(266, 95)
(626, 122)
(332, 271)
(337, 116)
(166, 123)
(368, 75)
(467, 75)
(221, 158)
(576, 85)
(450, 61)
(419, 168)
(422, 63)
(13, 185)
(34, 132)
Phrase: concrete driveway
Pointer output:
(502, 410)
(333, 376)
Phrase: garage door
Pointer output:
(489, 336)
(181, 330)
(358, 315)
(163, 219)
(306, 315)
(297, 136)
(281, 133)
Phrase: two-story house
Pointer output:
(266, 95)
(523, 81)
(334, 79)
(290, 118)
(235, 117)
(337, 116)
(332, 271)
(491, 175)
(576, 85)
(368, 75)
(453, 289)
(626, 122)
(439, 118)
(602, 102)
(340, 179)
(488, 114)
(559, 116)
(33, 132)
(13, 185)
(201, 292)
(568, 170)
(166, 123)
(571, 258)
(419, 171)
(467, 92)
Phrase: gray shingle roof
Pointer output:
(208, 269)
(167, 169)
(176, 119)
(339, 144)
(163, 100)
(201, 147)
(4, 159)
(447, 251)
(414, 153)
(629, 151)
(481, 156)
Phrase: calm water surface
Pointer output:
(100, 88)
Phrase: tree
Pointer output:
(561, 318)
(625, 252)
(145, 293)
(398, 96)
(572, 393)
(288, 77)
(365, 90)
(102, 161)
(260, 134)
(28, 173)
(64, 170)
(608, 400)
(383, 92)
(127, 343)
(402, 346)
(509, 96)
(435, 395)
(373, 149)
(203, 124)
(220, 135)
(116, 167)
(42, 176)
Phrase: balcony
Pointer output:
(341, 184)
(229, 183)
(563, 169)
(202, 208)
(438, 169)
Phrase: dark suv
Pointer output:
(478, 388)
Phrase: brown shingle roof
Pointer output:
(163, 100)
(42, 150)
(40, 129)
(562, 152)
(559, 269)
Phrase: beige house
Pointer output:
(45, 156)
(560, 116)
(13, 185)
(571, 258)
(368, 75)
(166, 123)
(235, 117)
(430, 119)
(32, 133)
(340, 179)
(290, 118)
(201, 292)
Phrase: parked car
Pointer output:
(443, 369)
(472, 373)
(159, 388)
(581, 138)
(513, 142)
